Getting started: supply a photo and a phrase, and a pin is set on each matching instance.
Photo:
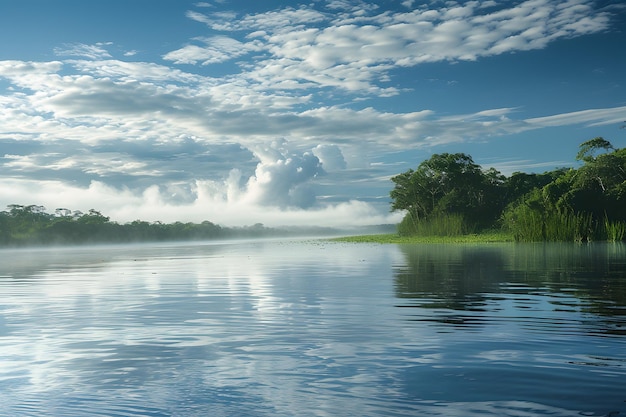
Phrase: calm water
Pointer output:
(306, 328)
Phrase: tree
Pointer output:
(5, 227)
(587, 149)
(598, 185)
(402, 194)
(26, 221)
(448, 184)
(521, 183)
(63, 212)
(93, 217)
(583, 201)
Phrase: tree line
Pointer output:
(449, 194)
(22, 225)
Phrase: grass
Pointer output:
(531, 225)
(615, 231)
(441, 224)
(487, 237)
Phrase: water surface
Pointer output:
(313, 328)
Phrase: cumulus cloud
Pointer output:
(282, 179)
(208, 201)
(330, 156)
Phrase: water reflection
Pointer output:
(520, 322)
(454, 277)
(227, 329)
(462, 283)
(311, 329)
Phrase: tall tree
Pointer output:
(587, 149)
(447, 184)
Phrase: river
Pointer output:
(313, 328)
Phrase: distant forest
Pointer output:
(449, 194)
(31, 225)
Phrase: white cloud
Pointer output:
(128, 72)
(591, 117)
(210, 203)
(96, 51)
(355, 50)
(282, 20)
(23, 70)
(215, 49)
(283, 182)
(139, 102)
(508, 167)
(108, 100)
(330, 156)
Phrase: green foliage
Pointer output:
(525, 223)
(437, 225)
(445, 185)
(582, 204)
(587, 148)
(520, 183)
(615, 230)
(408, 225)
(531, 225)
(31, 225)
(587, 203)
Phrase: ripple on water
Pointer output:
(258, 330)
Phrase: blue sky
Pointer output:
(281, 112)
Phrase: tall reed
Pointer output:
(525, 224)
(442, 224)
(568, 226)
(615, 230)
(408, 225)
(531, 225)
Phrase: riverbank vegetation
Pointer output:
(449, 195)
(31, 225)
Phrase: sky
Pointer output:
(292, 113)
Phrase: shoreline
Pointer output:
(495, 237)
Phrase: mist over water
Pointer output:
(313, 328)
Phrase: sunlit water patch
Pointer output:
(313, 328)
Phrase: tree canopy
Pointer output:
(32, 225)
(449, 184)
(588, 202)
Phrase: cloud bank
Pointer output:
(259, 119)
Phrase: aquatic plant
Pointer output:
(441, 224)
(615, 230)
(530, 224)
